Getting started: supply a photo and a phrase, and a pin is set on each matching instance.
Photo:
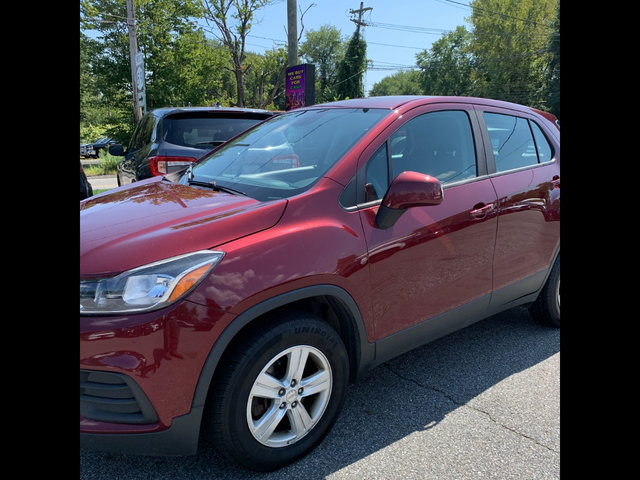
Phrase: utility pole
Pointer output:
(292, 30)
(133, 50)
(359, 22)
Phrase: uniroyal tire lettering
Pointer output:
(317, 331)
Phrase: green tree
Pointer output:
(233, 19)
(404, 82)
(509, 48)
(183, 69)
(181, 66)
(551, 92)
(446, 68)
(265, 78)
(325, 49)
(351, 69)
(88, 90)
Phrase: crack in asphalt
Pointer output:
(453, 400)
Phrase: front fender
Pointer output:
(364, 351)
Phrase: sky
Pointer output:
(399, 30)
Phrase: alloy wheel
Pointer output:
(289, 396)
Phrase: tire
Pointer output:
(546, 309)
(266, 409)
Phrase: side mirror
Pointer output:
(408, 189)
(116, 150)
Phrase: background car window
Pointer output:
(377, 175)
(511, 140)
(203, 132)
(545, 153)
(439, 144)
(138, 135)
(147, 132)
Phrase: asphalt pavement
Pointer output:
(483, 402)
(98, 181)
(102, 181)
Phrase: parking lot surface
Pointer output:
(483, 402)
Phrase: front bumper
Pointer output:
(138, 377)
(181, 438)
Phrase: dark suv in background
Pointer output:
(168, 139)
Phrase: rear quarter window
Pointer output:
(511, 141)
(545, 152)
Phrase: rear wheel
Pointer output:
(281, 391)
(546, 309)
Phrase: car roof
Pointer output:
(396, 101)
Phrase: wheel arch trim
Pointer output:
(364, 351)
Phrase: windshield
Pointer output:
(287, 154)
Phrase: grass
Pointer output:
(108, 164)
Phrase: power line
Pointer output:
(397, 46)
(408, 28)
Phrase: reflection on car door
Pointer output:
(434, 258)
(525, 176)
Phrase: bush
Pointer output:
(108, 163)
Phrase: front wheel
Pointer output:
(280, 392)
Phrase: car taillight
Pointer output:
(160, 165)
(291, 161)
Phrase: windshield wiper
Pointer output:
(213, 142)
(216, 187)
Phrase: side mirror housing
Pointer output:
(408, 189)
(116, 150)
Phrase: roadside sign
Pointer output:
(141, 92)
(300, 86)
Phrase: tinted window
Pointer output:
(545, 153)
(439, 144)
(138, 134)
(147, 132)
(511, 140)
(203, 132)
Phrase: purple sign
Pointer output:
(295, 87)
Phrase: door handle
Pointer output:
(555, 181)
(480, 213)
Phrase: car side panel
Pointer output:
(436, 258)
(528, 213)
(528, 230)
(285, 257)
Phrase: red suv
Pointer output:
(242, 294)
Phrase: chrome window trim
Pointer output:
(526, 167)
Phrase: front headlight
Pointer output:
(150, 286)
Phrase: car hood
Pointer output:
(155, 219)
